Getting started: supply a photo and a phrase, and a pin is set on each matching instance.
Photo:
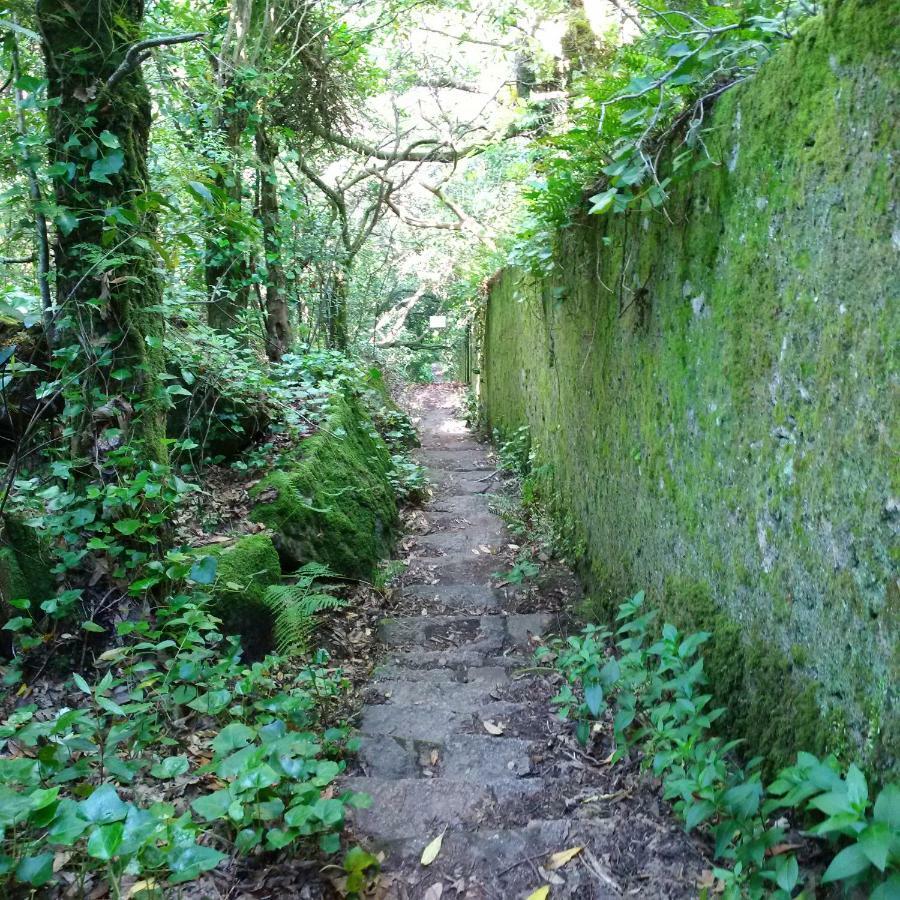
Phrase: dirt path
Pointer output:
(429, 759)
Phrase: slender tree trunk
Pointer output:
(279, 335)
(227, 259)
(336, 333)
(108, 287)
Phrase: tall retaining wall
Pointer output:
(714, 394)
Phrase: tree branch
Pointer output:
(138, 52)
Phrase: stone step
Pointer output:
(449, 483)
(469, 539)
(471, 570)
(456, 460)
(460, 505)
(436, 721)
(483, 633)
(486, 634)
(479, 758)
(454, 596)
(418, 809)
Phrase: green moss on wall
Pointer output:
(332, 502)
(728, 445)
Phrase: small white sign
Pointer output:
(437, 322)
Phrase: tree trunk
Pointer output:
(279, 336)
(336, 335)
(108, 287)
(227, 259)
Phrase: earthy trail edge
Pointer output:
(504, 801)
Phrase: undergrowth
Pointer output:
(650, 684)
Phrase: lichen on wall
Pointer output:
(714, 392)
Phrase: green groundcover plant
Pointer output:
(651, 685)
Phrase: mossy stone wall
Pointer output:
(715, 393)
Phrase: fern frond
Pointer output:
(295, 609)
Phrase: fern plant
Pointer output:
(296, 606)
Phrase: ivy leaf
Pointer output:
(104, 806)
(65, 222)
(204, 570)
(110, 164)
(186, 863)
(170, 767)
(601, 203)
(35, 870)
(104, 841)
(127, 526)
(212, 806)
(108, 139)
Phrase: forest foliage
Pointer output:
(215, 218)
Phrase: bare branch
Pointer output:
(138, 53)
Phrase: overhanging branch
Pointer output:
(139, 52)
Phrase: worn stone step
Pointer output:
(469, 539)
(450, 483)
(480, 758)
(460, 695)
(483, 633)
(455, 460)
(418, 809)
(435, 721)
(452, 569)
(455, 596)
(460, 505)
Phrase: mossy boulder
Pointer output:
(24, 570)
(332, 501)
(245, 569)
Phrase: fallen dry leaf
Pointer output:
(558, 860)
(542, 893)
(430, 853)
(494, 728)
(435, 892)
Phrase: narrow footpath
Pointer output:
(459, 739)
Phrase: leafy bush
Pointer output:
(514, 450)
(270, 750)
(651, 685)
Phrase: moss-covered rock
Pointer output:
(713, 389)
(332, 502)
(24, 570)
(245, 569)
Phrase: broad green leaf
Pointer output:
(876, 841)
(887, 806)
(186, 863)
(104, 806)
(593, 697)
(110, 164)
(127, 526)
(108, 139)
(105, 840)
(212, 806)
(170, 767)
(787, 872)
(204, 570)
(35, 870)
(848, 863)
